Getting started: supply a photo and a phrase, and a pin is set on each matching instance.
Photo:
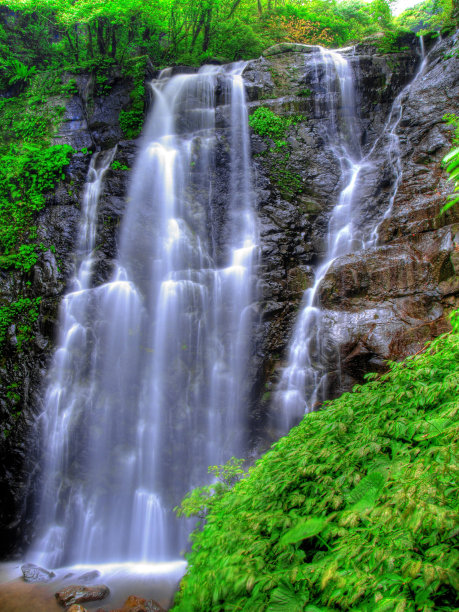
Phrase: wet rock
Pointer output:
(289, 48)
(34, 573)
(139, 604)
(76, 608)
(379, 304)
(76, 594)
(88, 576)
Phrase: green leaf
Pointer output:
(285, 599)
(366, 493)
(303, 531)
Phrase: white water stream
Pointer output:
(304, 382)
(149, 383)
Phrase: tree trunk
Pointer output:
(113, 51)
(100, 36)
(197, 31)
(72, 46)
(206, 41)
(90, 45)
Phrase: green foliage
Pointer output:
(275, 127)
(61, 33)
(427, 16)
(117, 165)
(356, 509)
(453, 120)
(131, 120)
(198, 501)
(303, 531)
(29, 169)
(27, 172)
(29, 166)
(19, 72)
(131, 123)
(22, 314)
(451, 163)
(289, 183)
(266, 123)
(70, 88)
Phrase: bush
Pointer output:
(356, 509)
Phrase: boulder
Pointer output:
(89, 576)
(289, 48)
(138, 604)
(76, 594)
(34, 573)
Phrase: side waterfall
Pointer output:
(148, 385)
(304, 382)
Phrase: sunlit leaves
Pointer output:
(302, 531)
(451, 161)
(360, 518)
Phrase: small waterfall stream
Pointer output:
(304, 382)
(148, 385)
(304, 379)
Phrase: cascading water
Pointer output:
(304, 382)
(148, 385)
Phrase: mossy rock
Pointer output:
(308, 205)
(289, 48)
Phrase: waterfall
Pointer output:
(304, 382)
(421, 47)
(149, 383)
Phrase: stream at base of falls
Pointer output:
(157, 581)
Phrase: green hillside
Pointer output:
(356, 509)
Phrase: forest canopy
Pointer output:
(55, 33)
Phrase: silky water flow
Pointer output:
(149, 381)
(314, 351)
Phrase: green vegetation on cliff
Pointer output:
(356, 509)
(30, 168)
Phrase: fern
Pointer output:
(366, 493)
(304, 530)
(356, 509)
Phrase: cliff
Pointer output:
(380, 303)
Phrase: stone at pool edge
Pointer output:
(34, 573)
(92, 575)
(77, 593)
(139, 604)
(133, 604)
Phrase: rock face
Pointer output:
(383, 303)
(386, 302)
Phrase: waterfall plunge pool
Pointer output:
(158, 581)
